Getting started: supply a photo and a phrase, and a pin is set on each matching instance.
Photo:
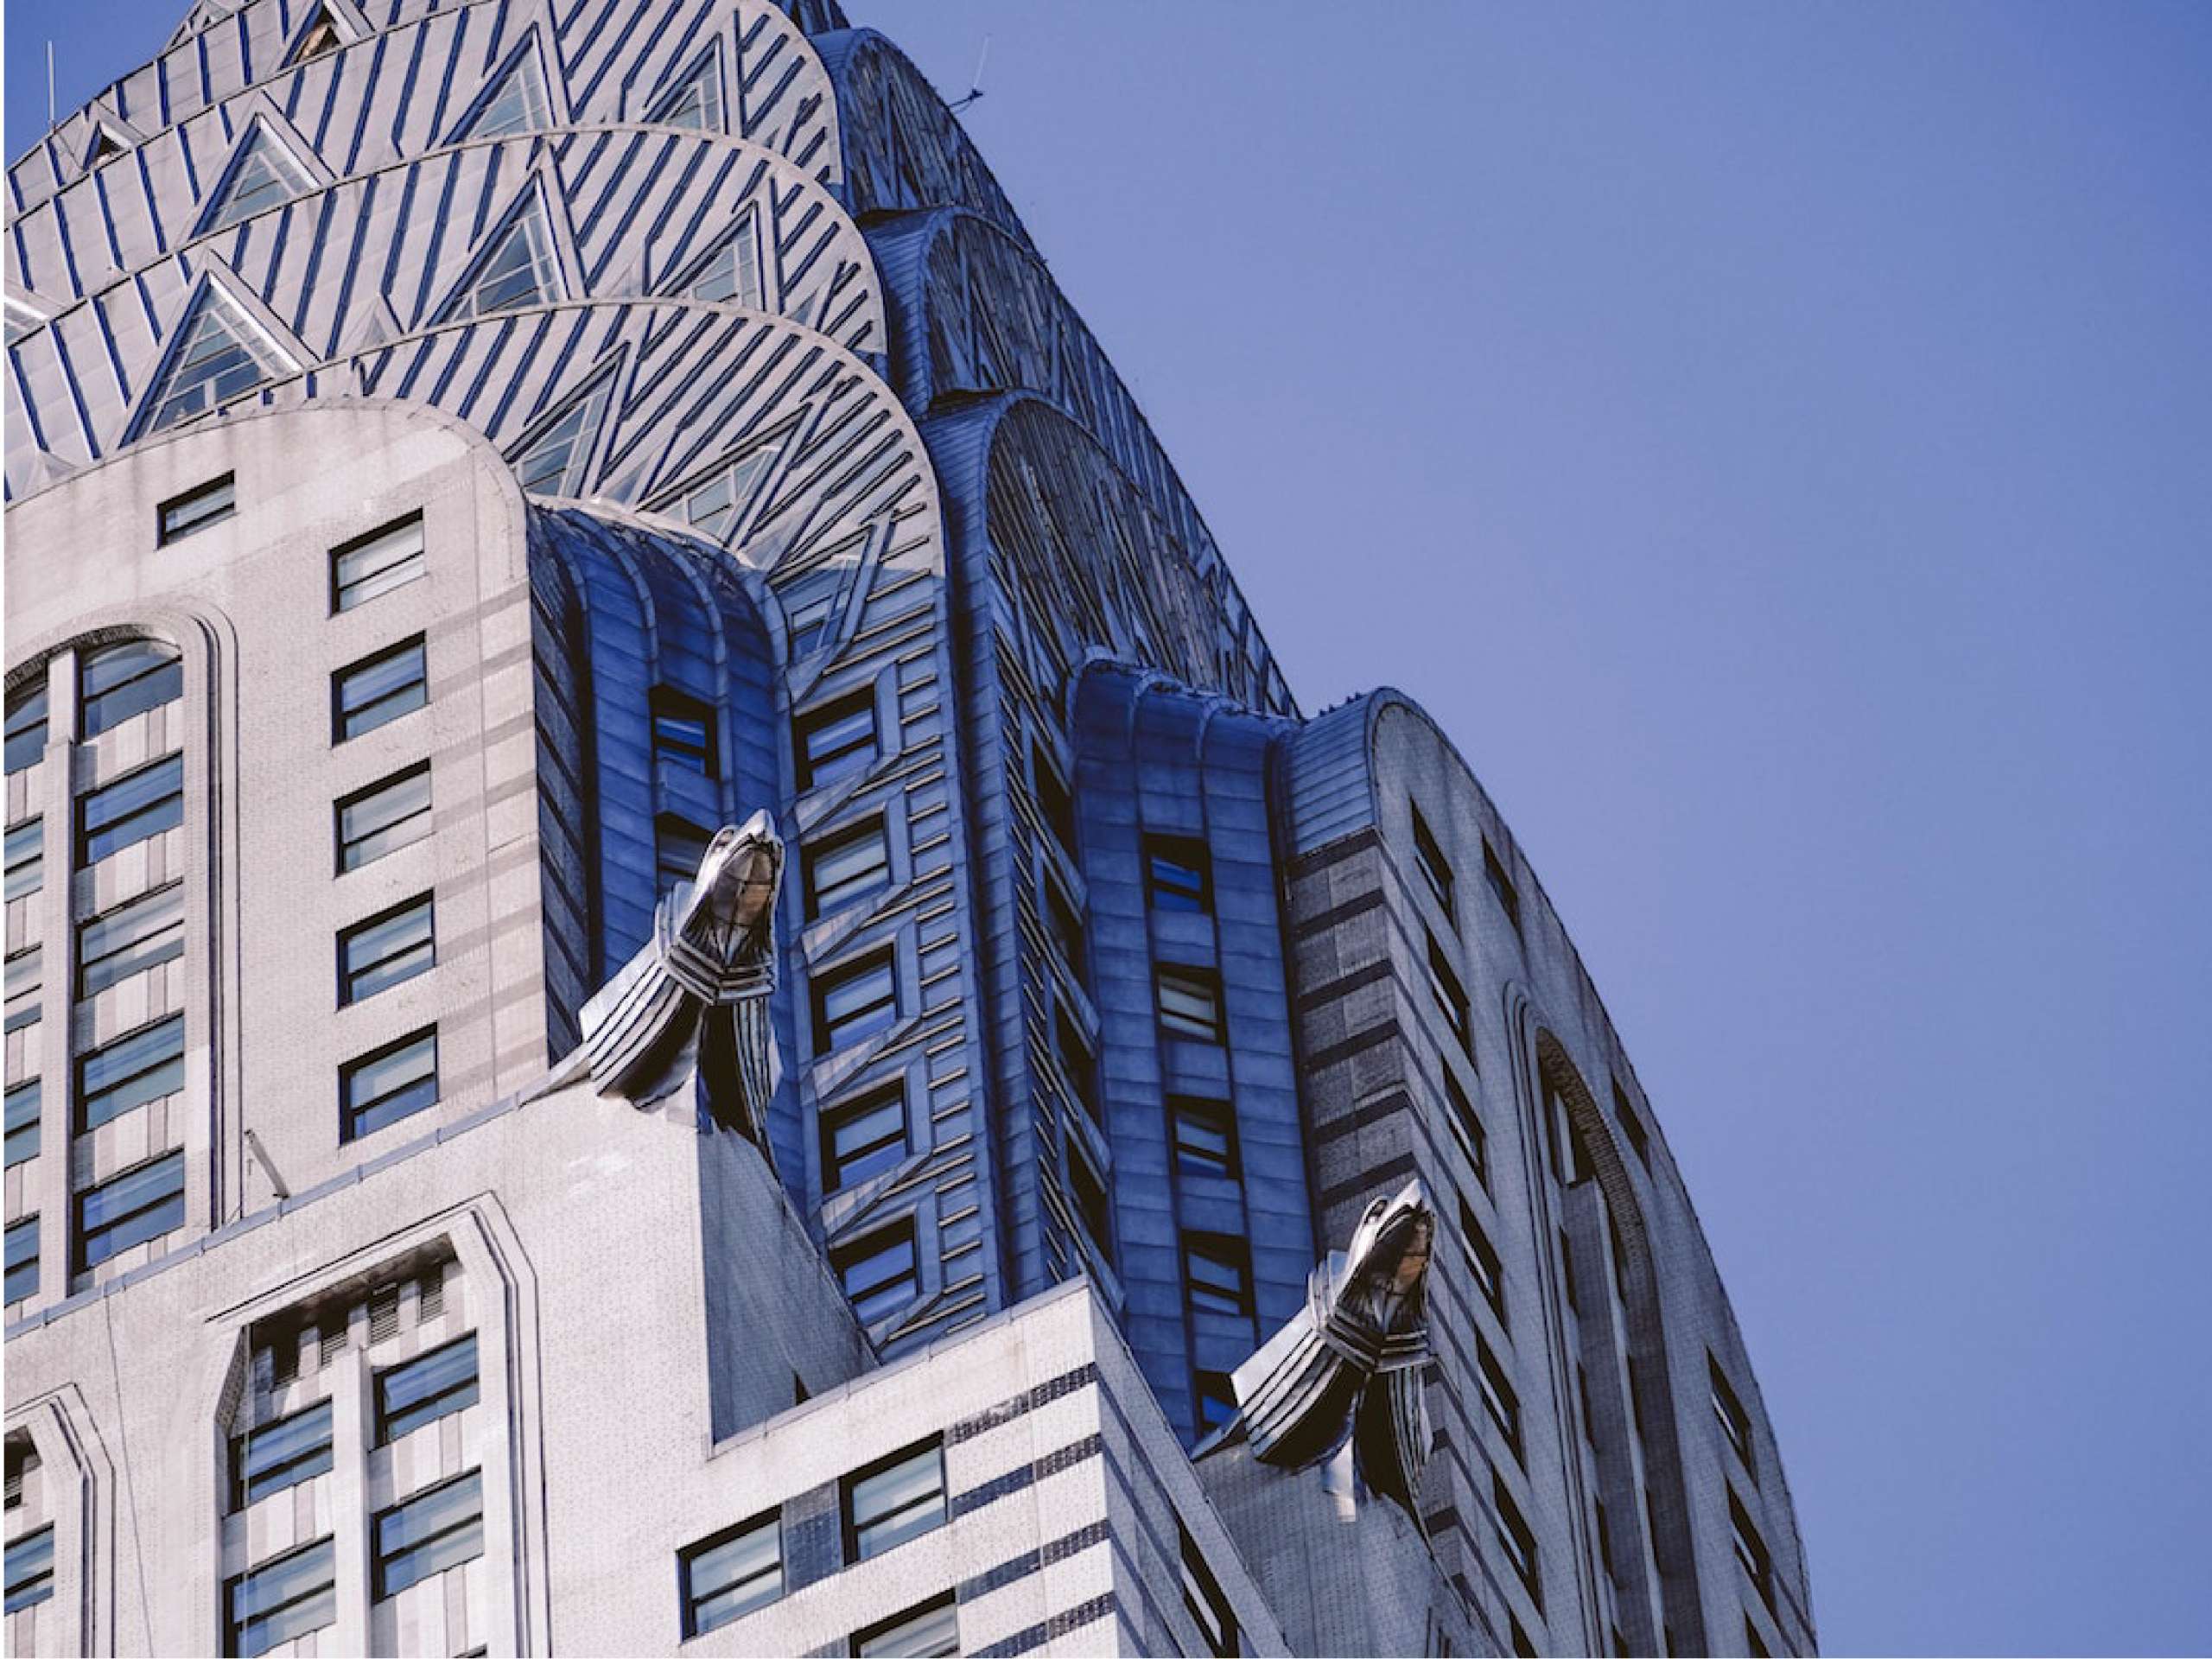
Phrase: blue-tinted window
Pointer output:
(376, 563)
(30, 1568)
(27, 858)
(383, 817)
(24, 1106)
(281, 1599)
(209, 503)
(855, 1001)
(863, 1138)
(280, 1455)
(138, 804)
(1178, 874)
(1218, 1275)
(375, 955)
(22, 1259)
(423, 1389)
(394, 1081)
(129, 1209)
(378, 689)
(131, 938)
(900, 1498)
(836, 739)
(139, 1066)
(923, 1632)
(1206, 1137)
(117, 682)
(881, 1273)
(26, 725)
(728, 1576)
(430, 1532)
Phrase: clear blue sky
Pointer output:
(1777, 442)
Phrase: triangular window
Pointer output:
(733, 272)
(321, 36)
(262, 176)
(103, 146)
(555, 461)
(694, 101)
(218, 356)
(515, 269)
(516, 104)
(814, 600)
(716, 505)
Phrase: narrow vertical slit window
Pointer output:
(1428, 856)
(1204, 1598)
(1500, 884)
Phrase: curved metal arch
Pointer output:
(903, 149)
(1080, 553)
(1029, 338)
(610, 55)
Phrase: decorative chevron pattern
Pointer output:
(400, 90)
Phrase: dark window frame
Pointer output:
(902, 1622)
(156, 681)
(869, 1018)
(212, 502)
(383, 1561)
(693, 1602)
(350, 974)
(364, 797)
(876, 1245)
(812, 769)
(1436, 868)
(345, 592)
(351, 1112)
(672, 712)
(854, 1529)
(157, 815)
(394, 1421)
(349, 721)
(157, 1206)
(1500, 884)
(1200, 1161)
(149, 1052)
(1201, 981)
(849, 890)
(249, 1485)
(840, 1171)
(1224, 1250)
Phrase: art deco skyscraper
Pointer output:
(460, 458)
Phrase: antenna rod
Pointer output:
(50, 117)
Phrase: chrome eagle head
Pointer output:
(732, 898)
(1386, 1268)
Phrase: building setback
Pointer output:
(1171, 1185)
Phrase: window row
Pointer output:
(879, 1507)
(409, 1395)
(296, 1592)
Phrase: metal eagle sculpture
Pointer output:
(697, 992)
(1348, 1367)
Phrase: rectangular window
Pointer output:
(881, 1273)
(1067, 932)
(129, 1209)
(1078, 1065)
(26, 859)
(116, 682)
(684, 732)
(863, 1138)
(24, 1106)
(30, 1568)
(1218, 1275)
(135, 806)
(1750, 1550)
(679, 848)
(27, 727)
(1519, 1542)
(836, 739)
(1632, 1124)
(374, 564)
(1090, 1202)
(209, 503)
(378, 689)
(123, 1075)
(383, 817)
(1467, 1126)
(281, 1599)
(1500, 884)
(855, 1001)
(930, 1630)
(1498, 1397)
(1054, 805)
(1436, 868)
(23, 1458)
(890, 1502)
(431, 1531)
(22, 1259)
(1450, 996)
(1202, 1598)
(729, 1574)
(1206, 1137)
(1178, 874)
(1189, 1003)
(847, 866)
(279, 1455)
(1481, 1260)
(1735, 1421)
(26, 979)
(425, 1388)
(377, 954)
(389, 1084)
(129, 939)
